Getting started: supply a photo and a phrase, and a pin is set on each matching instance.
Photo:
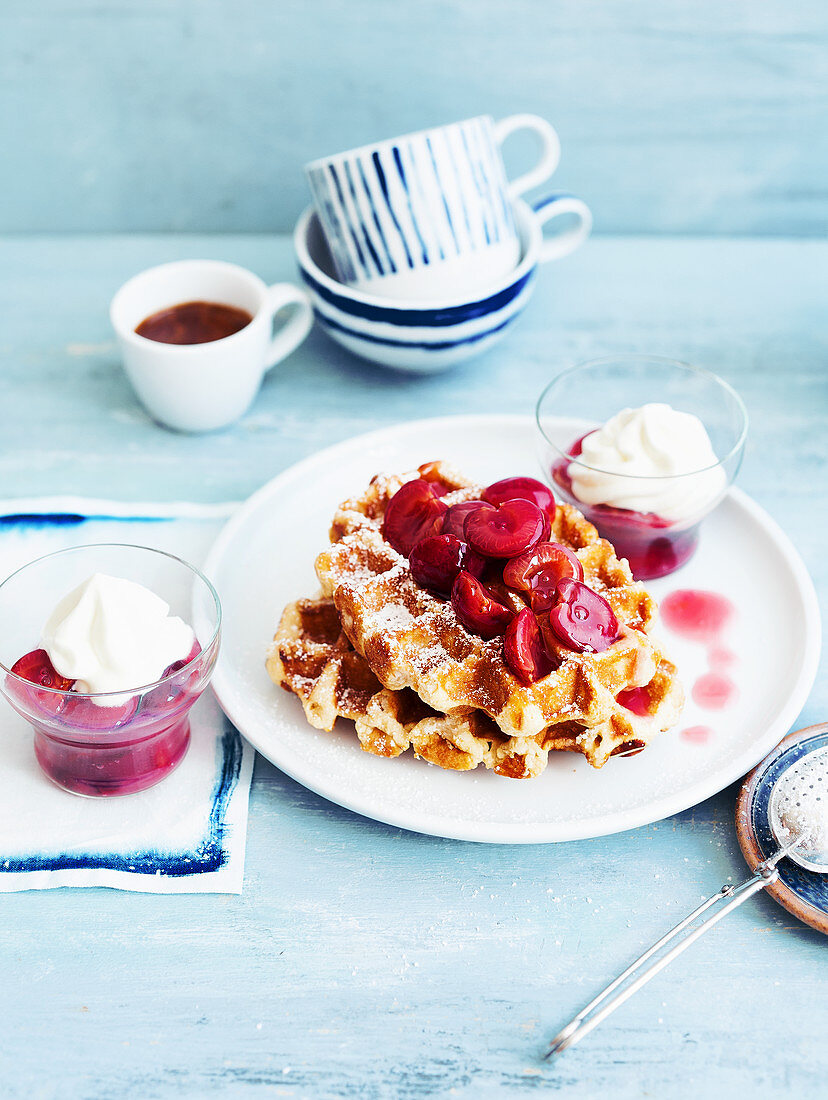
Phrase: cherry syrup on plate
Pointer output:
(702, 617)
(697, 735)
(697, 615)
(714, 691)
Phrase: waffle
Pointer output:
(413, 640)
(312, 657)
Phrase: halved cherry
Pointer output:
(455, 518)
(505, 530)
(522, 488)
(581, 619)
(475, 608)
(547, 562)
(37, 669)
(436, 560)
(413, 512)
(636, 699)
(523, 649)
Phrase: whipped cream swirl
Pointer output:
(113, 635)
(651, 459)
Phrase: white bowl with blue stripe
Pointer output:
(421, 336)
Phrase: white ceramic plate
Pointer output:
(264, 558)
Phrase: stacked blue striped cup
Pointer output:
(428, 220)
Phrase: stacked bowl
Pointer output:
(419, 253)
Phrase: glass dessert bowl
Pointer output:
(106, 616)
(645, 448)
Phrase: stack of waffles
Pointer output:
(376, 648)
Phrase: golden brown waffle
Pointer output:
(311, 657)
(411, 639)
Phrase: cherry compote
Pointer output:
(477, 609)
(538, 571)
(413, 512)
(581, 619)
(436, 560)
(505, 530)
(637, 700)
(454, 520)
(523, 649)
(522, 488)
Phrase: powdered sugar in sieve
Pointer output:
(798, 810)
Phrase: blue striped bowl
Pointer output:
(430, 336)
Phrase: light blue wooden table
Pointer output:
(362, 961)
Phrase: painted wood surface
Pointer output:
(363, 961)
(694, 116)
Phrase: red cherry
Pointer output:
(475, 608)
(455, 518)
(578, 446)
(37, 668)
(635, 699)
(522, 488)
(436, 560)
(523, 649)
(582, 620)
(414, 512)
(546, 563)
(505, 530)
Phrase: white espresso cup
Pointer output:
(429, 216)
(203, 386)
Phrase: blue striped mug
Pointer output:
(429, 216)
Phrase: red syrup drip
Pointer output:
(719, 657)
(636, 699)
(698, 735)
(714, 691)
(697, 615)
(701, 617)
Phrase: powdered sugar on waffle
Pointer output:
(411, 639)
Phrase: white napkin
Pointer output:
(185, 835)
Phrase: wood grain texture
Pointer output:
(142, 115)
(362, 961)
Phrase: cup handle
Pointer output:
(561, 244)
(550, 152)
(295, 329)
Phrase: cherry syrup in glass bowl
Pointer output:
(653, 546)
(582, 398)
(114, 743)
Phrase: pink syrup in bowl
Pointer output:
(653, 546)
(94, 750)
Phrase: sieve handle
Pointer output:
(599, 1008)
